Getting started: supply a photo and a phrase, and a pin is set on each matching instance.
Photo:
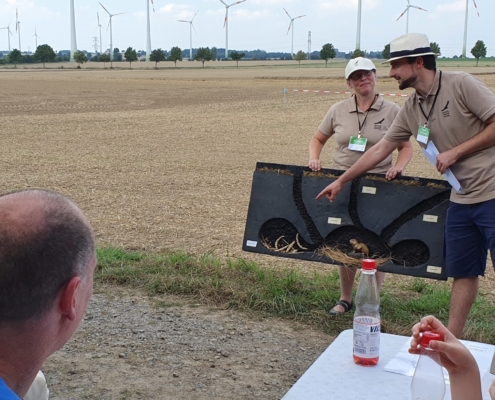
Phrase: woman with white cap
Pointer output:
(357, 124)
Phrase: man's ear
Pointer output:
(68, 299)
(420, 62)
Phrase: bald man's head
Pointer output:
(45, 240)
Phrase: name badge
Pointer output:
(423, 134)
(357, 143)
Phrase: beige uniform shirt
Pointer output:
(464, 104)
(341, 121)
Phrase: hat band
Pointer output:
(407, 53)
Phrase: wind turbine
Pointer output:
(465, 27)
(36, 37)
(292, 25)
(99, 26)
(9, 33)
(226, 24)
(110, 26)
(191, 27)
(358, 31)
(407, 11)
(73, 44)
(18, 28)
(148, 30)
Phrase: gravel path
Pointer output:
(129, 348)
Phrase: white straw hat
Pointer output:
(357, 64)
(410, 45)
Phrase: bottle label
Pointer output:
(366, 337)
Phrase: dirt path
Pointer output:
(129, 348)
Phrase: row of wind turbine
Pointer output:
(226, 26)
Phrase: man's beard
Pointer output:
(408, 82)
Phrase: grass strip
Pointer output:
(244, 285)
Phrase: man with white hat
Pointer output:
(456, 112)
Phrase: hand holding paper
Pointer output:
(431, 152)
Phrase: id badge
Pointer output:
(357, 143)
(423, 134)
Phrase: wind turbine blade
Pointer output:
(118, 14)
(237, 2)
(300, 16)
(153, 5)
(289, 27)
(419, 8)
(194, 28)
(287, 13)
(223, 2)
(108, 26)
(98, 16)
(194, 16)
(105, 9)
(180, 20)
(400, 16)
(226, 17)
(475, 6)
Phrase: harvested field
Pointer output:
(164, 160)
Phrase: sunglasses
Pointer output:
(357, 76)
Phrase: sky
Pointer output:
(253, 24)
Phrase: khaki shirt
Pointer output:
(464, 104)
(341, 121)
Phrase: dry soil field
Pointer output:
(163, 160)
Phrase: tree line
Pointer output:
(45, 53)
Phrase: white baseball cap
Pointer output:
(357, 64)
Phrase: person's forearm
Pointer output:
(315, 148)
(368, 160)
(405, 155)
(483, 140)
(466, 385)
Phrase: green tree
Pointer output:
(130, 55)
(15, 57)
(479, 50)
(386, 52)
(44, 53)
(80, 57)
(435, 48)
(117, 55)
(157, 55)
(327, 52)
(214, 53)
(175, 55)
(301, 55)
(357, 53)
(203, 54)
(236, 56)
(104, 58)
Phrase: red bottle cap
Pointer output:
(427, 336)
(368, 264)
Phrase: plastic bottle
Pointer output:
(428, 382)
(366, 343)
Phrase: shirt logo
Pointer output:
(445, 110)
(378, 125)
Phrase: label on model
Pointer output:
(366, 341)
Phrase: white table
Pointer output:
(335, 376)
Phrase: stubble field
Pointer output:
(163, 160)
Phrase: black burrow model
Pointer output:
(400, 223)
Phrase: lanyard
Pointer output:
(434, 101)
(361, 126)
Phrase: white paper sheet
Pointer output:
(431, 152)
